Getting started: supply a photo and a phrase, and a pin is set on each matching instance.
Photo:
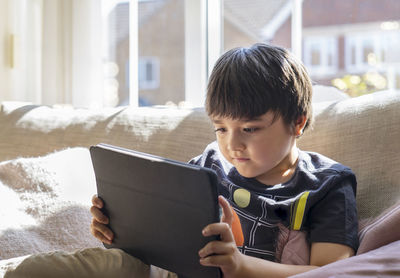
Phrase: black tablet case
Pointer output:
(157, 207)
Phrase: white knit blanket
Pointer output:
(44, 203)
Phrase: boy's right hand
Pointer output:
(98, 227)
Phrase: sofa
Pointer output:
(47, 179)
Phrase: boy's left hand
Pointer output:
(224, 253)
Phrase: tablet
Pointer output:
(157, 207)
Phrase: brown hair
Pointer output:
(249, 82)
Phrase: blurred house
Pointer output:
(351, 38)
(161, 43)
(339, 38)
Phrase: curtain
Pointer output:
(20, 34)
(52, 52)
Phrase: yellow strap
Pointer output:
(301, 205)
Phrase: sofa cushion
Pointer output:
(44, 203)
(362, 133)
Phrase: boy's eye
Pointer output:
(221, 129)
(250, 129)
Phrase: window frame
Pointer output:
(381, 42)
(359, 42)
(327, 46)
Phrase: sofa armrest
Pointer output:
(382, 262)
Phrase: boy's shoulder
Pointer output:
(320, 167)
(317, 163)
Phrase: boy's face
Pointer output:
(260, 148)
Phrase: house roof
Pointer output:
(258, 18)
(119, 24)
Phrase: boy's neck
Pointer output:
(284, 171)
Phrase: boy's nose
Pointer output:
(235, 143)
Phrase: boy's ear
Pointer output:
(299, 126)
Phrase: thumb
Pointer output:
(227, 215)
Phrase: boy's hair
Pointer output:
(249, 82)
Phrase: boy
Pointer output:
(259, 100)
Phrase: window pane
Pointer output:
(161, 51)
(353, 55)
(320, 54)
(330, 60)
(162, 40)
(368, 53)
(315, 57)
(149, 72)
(364, 54)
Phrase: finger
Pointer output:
(101, 237)
(221, 229)
(103, 229)
(217, 248)
(98, 215)
(227, 216)
(216, 260)
(97, 202)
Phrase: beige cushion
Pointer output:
(44, 203)
(364, 134)
(87, 263)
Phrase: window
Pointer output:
(390, 40)
(362, 52)
(149, 71)
(372, 51)
(72, 49)
(320, 55)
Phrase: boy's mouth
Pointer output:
(240, 159)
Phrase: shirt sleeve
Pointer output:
(195, 160)
(206, 158)
(334, 218)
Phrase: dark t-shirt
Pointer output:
(318, 199)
